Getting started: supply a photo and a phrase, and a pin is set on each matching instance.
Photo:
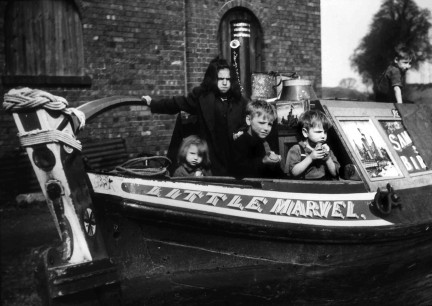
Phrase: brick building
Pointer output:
(85, 50)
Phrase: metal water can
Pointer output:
(263, 86)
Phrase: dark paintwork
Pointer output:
(166, 264)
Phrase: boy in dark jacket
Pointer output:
(252, 154)
(390, 83)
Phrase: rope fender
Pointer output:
(48, 136)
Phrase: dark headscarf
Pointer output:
(209, 83)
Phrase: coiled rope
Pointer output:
(21, 99)
(150, 166)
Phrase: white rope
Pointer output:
(79, 114)
(27, 98)
(48, 136)
(23, 98)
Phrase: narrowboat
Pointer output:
(136, 236)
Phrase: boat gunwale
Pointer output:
(237, 225)
(270, 184)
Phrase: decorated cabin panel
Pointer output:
(404, 146)
(371, 149)
(380, 143)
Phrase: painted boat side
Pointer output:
(342, 218)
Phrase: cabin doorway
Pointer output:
(249, 54)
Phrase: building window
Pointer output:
(44, 44)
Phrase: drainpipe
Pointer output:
(185, 47)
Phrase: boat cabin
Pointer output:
(375, 144)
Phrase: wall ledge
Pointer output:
(46, 80)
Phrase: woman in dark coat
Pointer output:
(220, 110)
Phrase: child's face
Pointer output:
(315, 135)
(224, 80)
(403, 64)
(259, 125)
(193, 156)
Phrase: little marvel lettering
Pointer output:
(323, 209)
(275, 206)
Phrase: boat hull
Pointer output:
(164, 262)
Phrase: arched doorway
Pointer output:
(254, 57)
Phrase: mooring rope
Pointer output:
(26, 98)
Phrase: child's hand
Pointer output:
(319, 152)
(199, 173)
(271, 158)
(237, 135)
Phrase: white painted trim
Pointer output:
(116, 190)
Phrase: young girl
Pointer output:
(193, 158)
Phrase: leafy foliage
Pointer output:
(397, 22)
(349, 83)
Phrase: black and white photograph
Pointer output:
(216, 152)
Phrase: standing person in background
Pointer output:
(390, 83)
(220, 110)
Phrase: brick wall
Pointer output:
(162, 48)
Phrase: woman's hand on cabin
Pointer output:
(146, 99)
